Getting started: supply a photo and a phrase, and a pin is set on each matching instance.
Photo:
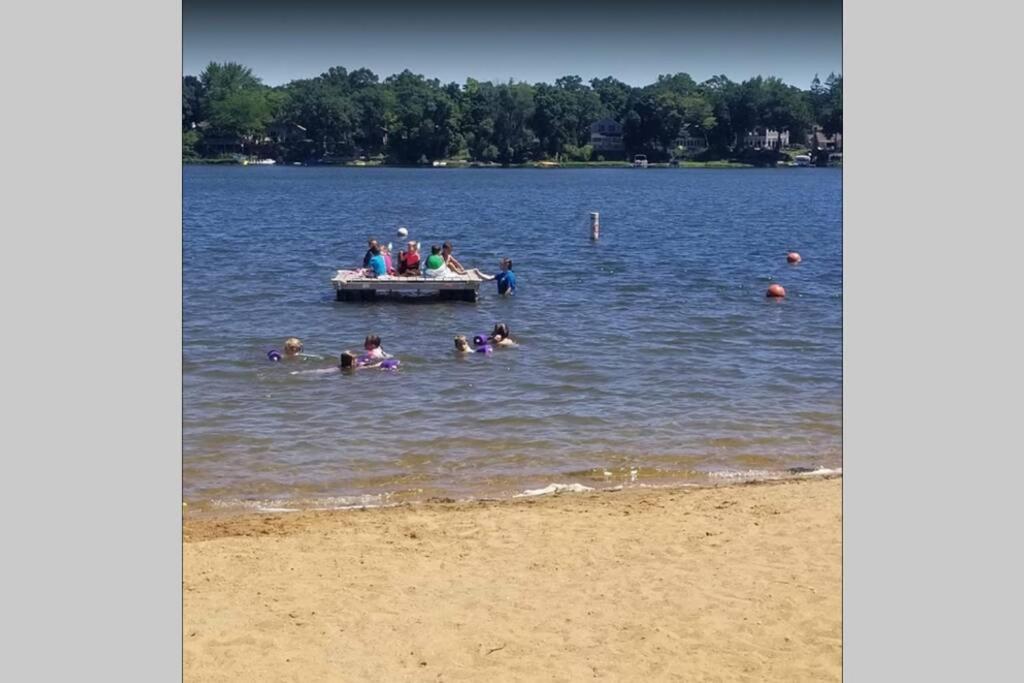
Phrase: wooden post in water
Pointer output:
(595, 225)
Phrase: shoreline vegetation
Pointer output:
(464, 163)
(467, 164)
(743, 580)
(344, 117)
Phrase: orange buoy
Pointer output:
(776, 291)
(793, 257)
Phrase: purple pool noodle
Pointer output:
(485, 349)
(480, 340)
(390, 364)
(273, 355)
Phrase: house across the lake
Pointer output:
(766, 138)
(606, 136)
(818, 140)
(690, 142)
(285, 132)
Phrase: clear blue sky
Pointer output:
(633, 41)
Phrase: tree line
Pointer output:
(409, 119)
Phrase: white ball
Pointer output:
(402, 232)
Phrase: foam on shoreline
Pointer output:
(388, 499)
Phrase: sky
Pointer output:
(452, 40)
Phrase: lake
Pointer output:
(649, 357)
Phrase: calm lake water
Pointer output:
(649, 357)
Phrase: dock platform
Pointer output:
(357, 288)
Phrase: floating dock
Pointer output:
(348, 288)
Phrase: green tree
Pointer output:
(512, 135)
(192, 94)
(699, 116)
(613, 95)
(784, 108)
(244, 113)
(218, 80)
(426, 119)
(832, 118)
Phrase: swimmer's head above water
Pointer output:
(292, 346)
(461, 344)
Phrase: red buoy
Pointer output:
(793, 257)
(776, 291)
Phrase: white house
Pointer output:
(606, 136)
(766, 138)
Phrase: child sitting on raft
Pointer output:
(455, 267)
(409, 261)
(435, 265)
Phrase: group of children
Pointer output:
(441, 263)
(374, 356)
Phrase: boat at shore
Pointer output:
(640, 161)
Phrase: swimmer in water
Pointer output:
(373, 349)
(501, 336)
(292, 347)
(461, 345)
(348, 361)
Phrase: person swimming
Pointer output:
(461, 345)
(292, 347)
(501, 335)
(373, 349)
(349, 361)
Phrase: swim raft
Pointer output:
(354, 285)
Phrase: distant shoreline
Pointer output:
(531, 165)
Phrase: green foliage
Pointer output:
(189, 139)
(410, 119)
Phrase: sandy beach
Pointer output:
(738, 582)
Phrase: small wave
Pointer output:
(771, 475)
(554, 488)
(820, 472)
(287, 505)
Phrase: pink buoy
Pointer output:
(776, 291)
(793, 257)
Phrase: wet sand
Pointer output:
(737, 582)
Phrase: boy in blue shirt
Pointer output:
(376, 263)
(506, 278)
